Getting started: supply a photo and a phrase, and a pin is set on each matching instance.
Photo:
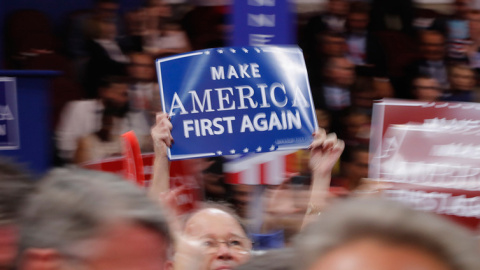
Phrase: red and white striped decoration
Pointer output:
(261, 169)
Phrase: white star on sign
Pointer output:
(272, 147)
(245, 150)
(257, 50)
(245, 50)
(233, 50)
(220, 51)
(219, 152)
(259, 149)
(232, 151)
(207, 52)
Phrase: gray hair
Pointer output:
(15, 186)
(274, 259)
(222, 206)
(392, 223)
(71, 207)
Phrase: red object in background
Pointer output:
(428, 153)
(116, 165)
(133, 163)
(459, 205)
(184, 175)
(181, 175)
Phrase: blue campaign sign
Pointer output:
(9, 134)
(263, 22)
(237, 100)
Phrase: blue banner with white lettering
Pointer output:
(263, 22)
(237, 100)
(9, 133)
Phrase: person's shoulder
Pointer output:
(89, 104)
(132, 114)
(84, 103)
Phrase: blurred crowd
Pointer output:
(79, 219)
(356, 52)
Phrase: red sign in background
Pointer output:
(138, 168)
(429, 153)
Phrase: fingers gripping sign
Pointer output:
(161, 134)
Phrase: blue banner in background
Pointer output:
(9, 133)
(237, 100)
(263, 22)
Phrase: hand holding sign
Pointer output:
(162, 138)
(237, 100)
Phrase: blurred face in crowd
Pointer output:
(427, 89)
(355, 123)
(115, 97)
(360, 164)
(364, 99)
(474, 24)
(108, 30)
(124, 246)
(8, 245)
(341, 72)
(357, 22)
(159, 8)
(333, 46)
(323, 119)
(462, 7)
(141, 67)
(357, 168)
(462, 78)
(432, 46)
(372, 254)
(338, 7)
(116, 94)
(223, 242)
(106, 11)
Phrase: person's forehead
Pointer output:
(359, 117)
(462, 71)
(425, 82)
(118, 86)
(358, 14)
(141, 58)
(361, 156)
(432, 36)
(213, 222)
(375, 254)
(108, 5)
(342, 63)
(146, 248)
(474, 15)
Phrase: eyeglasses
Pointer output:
(235, 244)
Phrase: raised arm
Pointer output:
(324, 153)
(162, 138)
(294, 208)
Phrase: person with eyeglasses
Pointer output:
(220, 240)
(213, 237)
